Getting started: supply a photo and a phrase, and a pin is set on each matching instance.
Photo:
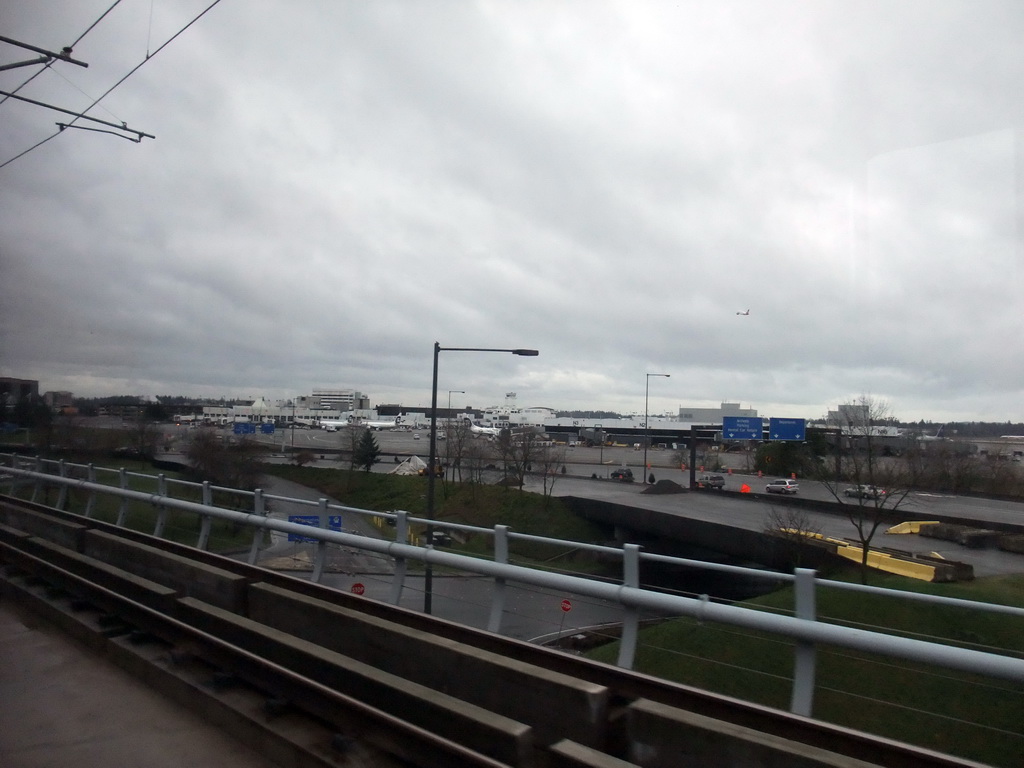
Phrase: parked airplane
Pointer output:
(335, 425)
(351, 420)
(478, 430)
(382, 424)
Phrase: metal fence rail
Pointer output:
(803, 628)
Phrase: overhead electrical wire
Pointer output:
(71, 47)
(106, 93)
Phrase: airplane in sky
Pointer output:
(744, 314)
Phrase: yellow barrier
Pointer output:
(886, 562)
(913, 526)
(883, 561)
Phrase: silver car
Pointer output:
(782, 486)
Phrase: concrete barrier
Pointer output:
(569, 754)
(488, 733)
(526, 693)
(190, 578)
(13, 536)
(665, 737)
(67, 534)
(137, 588)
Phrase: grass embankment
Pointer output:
(181, 527)
(483, 506)
(950, 712)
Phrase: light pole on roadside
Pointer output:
(647, 425)
(428, 581)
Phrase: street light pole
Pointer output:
(647, 425)
(428, 581)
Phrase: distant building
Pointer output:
(714, 415)
(334, 400)
(15, 390)
(59, 401)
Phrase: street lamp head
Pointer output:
(525, 352)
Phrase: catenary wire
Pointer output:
(49, 64)
(106, 93)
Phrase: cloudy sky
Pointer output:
(334, 186)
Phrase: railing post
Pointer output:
(122, 512)
(321, 546)
(258, 508)
(62, 494)
(805, 653)
(39, 480)
(204, 529)
(630, 613)
(401, 566)
(161, 510)
(498, 593)
(90, 503)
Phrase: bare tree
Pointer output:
(550, 463)
(792, 527)
(477, 456)
(875, 484)
(519, 452)
(456, 445)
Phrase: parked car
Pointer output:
(622, 475)
(711, 482)
(782, 486)
(864, 491)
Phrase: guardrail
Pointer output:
(803, 627)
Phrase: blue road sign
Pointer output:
(787, 429)
(244, 428)
(333, 522)
(742, 428)
(267, 429)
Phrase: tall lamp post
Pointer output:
(647, 425)
(428, 581)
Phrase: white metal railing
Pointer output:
(803, 627)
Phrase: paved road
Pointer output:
(530, 614)
(584, 463)
(753, 515)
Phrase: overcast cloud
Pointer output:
(334, 186)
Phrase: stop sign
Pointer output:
(566, 606)
(358, 589)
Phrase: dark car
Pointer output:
(711, 482)
(623, 475)
(864, 492)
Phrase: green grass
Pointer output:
(181, 527)
(954, 713)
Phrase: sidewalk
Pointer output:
(62, 705)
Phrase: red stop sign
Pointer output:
(566, 606)
(358, 589)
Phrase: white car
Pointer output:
(782, 486)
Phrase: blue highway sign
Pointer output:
(742, 428)
(787, 429)
(333, 522)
